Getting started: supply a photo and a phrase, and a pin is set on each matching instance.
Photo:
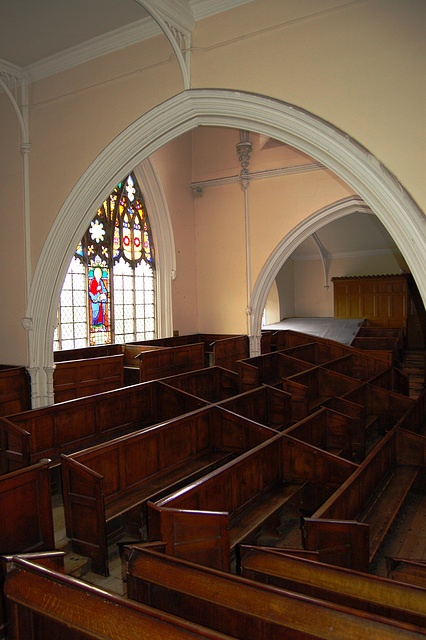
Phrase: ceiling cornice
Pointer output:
(184, 14)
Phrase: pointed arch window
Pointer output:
(108, 293)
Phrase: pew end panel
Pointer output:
(15, 392)
(84, 510)
(25, 496)
(198, 536)
(339, 542)
(15, 447)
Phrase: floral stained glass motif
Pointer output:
(116, 256)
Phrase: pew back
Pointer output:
(68, 426)
(80, 378)
(46, 605)
(111, 483)
(244, 608)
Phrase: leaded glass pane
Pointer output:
(109, 276)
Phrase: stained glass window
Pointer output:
(109, 291)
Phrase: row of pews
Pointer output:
(89, 370)
(302, 457)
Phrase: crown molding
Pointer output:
(123, 37)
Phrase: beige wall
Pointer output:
(358, 65)
(312, 299)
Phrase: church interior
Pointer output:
(213, 335)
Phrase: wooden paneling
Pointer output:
(382, 299)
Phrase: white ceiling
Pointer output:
(32, 30)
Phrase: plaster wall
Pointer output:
(312, 299)
(173, 163)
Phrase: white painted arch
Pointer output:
(379, 189)
(283, 251)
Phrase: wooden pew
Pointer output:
(359, 367)
(383, 408)
(412, 572)
(160, 363)
(84, 353)
(311, 388)
(332, 431)
(80, 378)
(68, 426)
(26, 516)
(393, 379)
(268, 369)
(205, 520)
(267, 405)
(212, 384)
(14, 389)
(220, 350)
(375, 344)
(51, 559)
(26, 510)
(226, 352)
(362, 591)
(316, 352)
(247, 609)
(106, 487)
(353, 522)
(44, 604)
(414, 419)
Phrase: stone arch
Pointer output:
(360, 169)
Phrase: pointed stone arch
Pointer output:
(377, 187)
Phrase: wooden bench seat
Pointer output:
(203, 521)
(245, 608)
(353, 522)
(262, 515)
(379, 514)
(105, 487)
(44, 604)
(324, 581)
(69, 426)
